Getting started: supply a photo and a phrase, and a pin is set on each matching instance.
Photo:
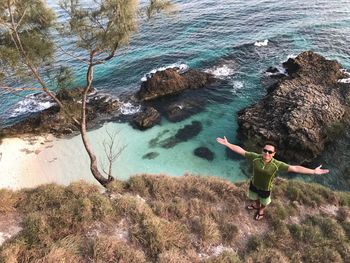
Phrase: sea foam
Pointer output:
(128, 108)
(181, 69)
(221, 71)
(31, 104)
(261, 43)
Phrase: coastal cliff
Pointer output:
(173, 219)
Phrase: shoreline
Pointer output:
(49, 159)
(34, 160)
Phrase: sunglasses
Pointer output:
(267, 151)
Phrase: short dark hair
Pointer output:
(271, 144)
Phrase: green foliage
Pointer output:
(102, 28)
(63, 79)
(156, 6)
(23, 36)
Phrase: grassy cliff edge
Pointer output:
(160, 218)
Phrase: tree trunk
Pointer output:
(93, 160)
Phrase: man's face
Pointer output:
(268, 152)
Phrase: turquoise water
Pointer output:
(219, 37)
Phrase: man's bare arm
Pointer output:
(233, 147)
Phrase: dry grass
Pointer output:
(9, 200)
(180, 219)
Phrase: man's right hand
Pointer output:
(222, 141)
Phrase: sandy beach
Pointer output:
(34, 160)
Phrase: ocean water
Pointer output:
(235, 40)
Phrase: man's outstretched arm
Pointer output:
(304, 170)
(233, 147)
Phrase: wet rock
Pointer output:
(56, 121)
(172, 81)
(181, 110)
(300, 111)
(146, 119)
(204, 152)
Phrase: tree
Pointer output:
(99, 28)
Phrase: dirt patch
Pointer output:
(9, 226)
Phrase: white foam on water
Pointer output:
(221, 71)
(344, 80)
(128, 108)
(343, 70)
(291, 56)
(280, 70)
(181, 69)
(261, 43)
(236, 85)
(31, 103)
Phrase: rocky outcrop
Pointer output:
(58, 122)
(147, 118)
(302, 112)
(171, 81)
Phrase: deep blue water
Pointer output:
(221, 37)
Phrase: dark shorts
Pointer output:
(260, 193)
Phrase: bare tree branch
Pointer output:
(112, 150)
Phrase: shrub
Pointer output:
(105, 249)
(9, 200)
(224, 257)
(206, 229)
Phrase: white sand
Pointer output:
(28, 162)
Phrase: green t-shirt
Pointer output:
(263, 174)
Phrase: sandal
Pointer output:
(252, 207)
(259, 216)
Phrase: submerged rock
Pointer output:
(181, 110)
(204, 152)
(300, 111)
(189, 131)
(150, 155)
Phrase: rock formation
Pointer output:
(302, 111)
(170, 82)
(147, 118)
(56, 121)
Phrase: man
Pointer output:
(265, 168)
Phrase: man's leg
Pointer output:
(253, 197)
(263, 203)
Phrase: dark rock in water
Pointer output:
(205, 153)
(300, 112)
(186, 133)
(169, 142)
(147, 118)
(189, 131)
(150, 155)
(181, 110)
(232, 155)
(170, 82)
(291, 66)
(272, 70)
